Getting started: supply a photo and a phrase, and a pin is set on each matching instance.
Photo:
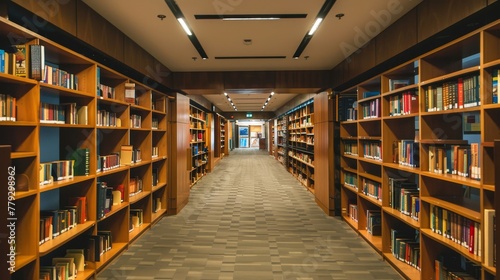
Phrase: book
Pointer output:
(126, 154)
(82, 115)
(101, 199)
(78, 258)
(20, 61)
(130, 93)
(81, 161)
(36, 62)
(489, 244)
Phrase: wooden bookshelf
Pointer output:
(300, 132)
(221, 145)
(94, 114)
(199, 152)
(425, 129)
(272, 137)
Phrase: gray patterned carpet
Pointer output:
(250, 219)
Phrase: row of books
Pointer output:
(197, 137)
(136, 218)
(53, 75)
(108, 162)
(457, 159)
(462, 93)
(351, 180)
(155, 152)
(155, 123)
(56, 171)
(135, 121)
(353, 211)
(107, 196)
(372, 189)
(56, 222)
(347, 107)
(77, 165)
(372, 150)
(98, 244)
(370, 109)
(308, 158)
(405, 246)
(403, 104)
(68, 113)
(135, 186)
(406, 152)
(404, 197)
(67, 267)
(13, 61)
(451, 266)
(108, 119)
(129, 155)
(374, 222)
(351, 148)
(8, 108)
(457, 228)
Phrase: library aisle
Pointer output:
(250, 219)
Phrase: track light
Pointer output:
(315, 26)
(184, 26)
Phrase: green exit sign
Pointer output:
(249, 115)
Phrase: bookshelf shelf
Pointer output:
(108, 256)
(450, 244)
(63, 238)
(136, 232)
(404, 218)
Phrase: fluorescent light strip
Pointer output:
(315, 26)
(184, 25)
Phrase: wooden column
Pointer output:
(179, 154)
(324, 191)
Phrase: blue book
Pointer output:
(367, 94)
(2, 61)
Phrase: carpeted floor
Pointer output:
(250, 219)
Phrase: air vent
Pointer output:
(251, 16)
(252, 57)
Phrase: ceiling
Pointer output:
(273, 42)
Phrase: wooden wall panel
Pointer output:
(301, 79)
(396, 38)
(249, 79)
(134, 55)
(98, 32)
(434, 16)
(198, 80)
(362, 60)
(59, 13)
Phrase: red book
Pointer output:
(460, 93)
(471, 237)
